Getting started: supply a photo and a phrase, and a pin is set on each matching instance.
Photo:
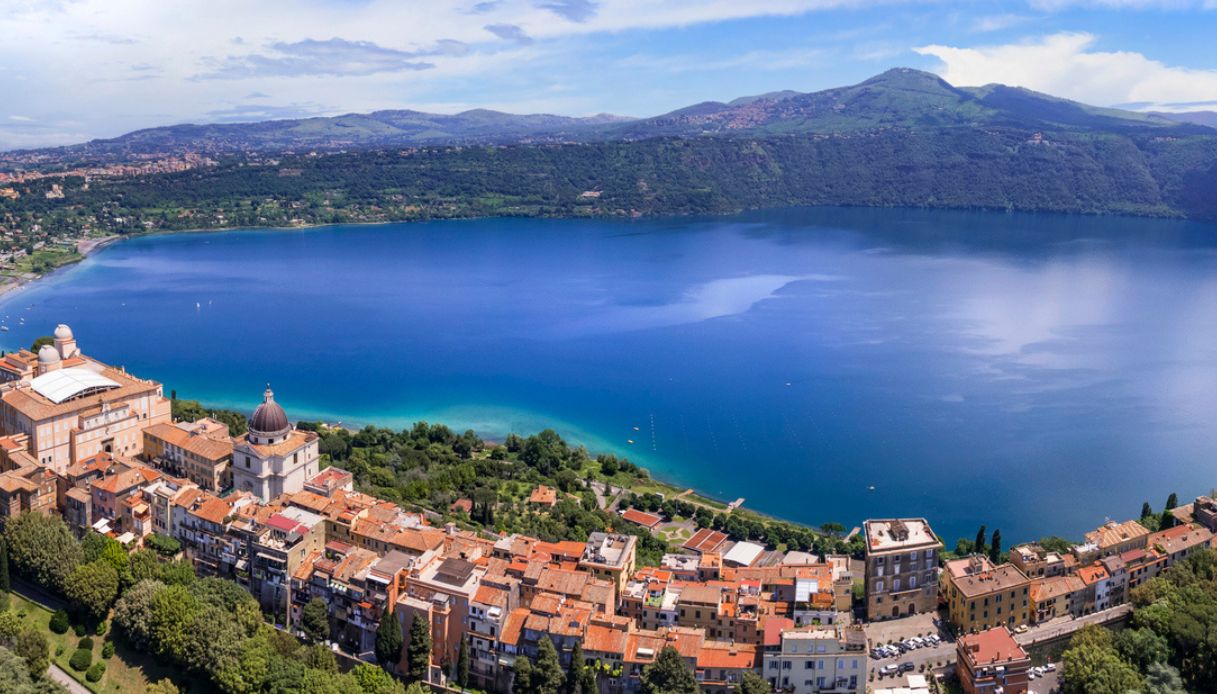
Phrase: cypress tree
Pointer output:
(979, 547)
(522, 684)
(462, 664)
(418, 651)
(388, 639)
(995, 546)
(547, 676)
(1172, 501)
(5, 583)
(1146, 510)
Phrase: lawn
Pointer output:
(127, 671)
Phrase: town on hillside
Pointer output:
(98, 447)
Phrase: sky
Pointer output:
(74, 70)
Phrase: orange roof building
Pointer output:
(990, 660)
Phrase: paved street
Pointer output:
(56, 673)
(1062, 626)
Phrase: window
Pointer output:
(809, 665)
(912, 582)
(878, 586)
(895, 585)
(785, 664)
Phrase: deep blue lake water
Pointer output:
(1034, 373)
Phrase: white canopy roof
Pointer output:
(65, 384)
(743, 553)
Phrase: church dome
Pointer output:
(48, 355)
(63, 332)
(269, 419)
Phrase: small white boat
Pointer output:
(871, 488)
(3, 328)
(630, 441)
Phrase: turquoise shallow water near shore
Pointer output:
(1034, 373)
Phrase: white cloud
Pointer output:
(1066, 64)
(1056, 5)
(997, 22)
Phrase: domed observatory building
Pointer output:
(70, 406)
(273, 458)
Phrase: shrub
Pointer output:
(81, 660)
(100, 629)
(94, 674)
(79, 629)
(58, 651)
(107, 650)
(59, 622)
(163, 544)
(85, 643)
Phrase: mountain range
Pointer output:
(900, 98)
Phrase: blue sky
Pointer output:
(72, 70)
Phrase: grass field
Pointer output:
(127, 671)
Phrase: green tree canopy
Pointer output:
(418, 650)
(388, 639)
(547, 675)
(315, 620)
(91, 588)
(668, 675)
(42, 549)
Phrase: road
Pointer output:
(1063, 626)
(57, 673)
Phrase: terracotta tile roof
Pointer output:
(295, 441)
(646, 520)
(546, 604)
(210, 508)
(513, 626)
(209, 447)
(705, 540)
(1092, 574)
(773, 628)
(1054, 587)
(727, 656)
(990, 647)
(985, 582)
(490, 595)
(1112, 533)
(544, 496)
(465, 505)
(121, 481)
(1174, 540)
(605, 639)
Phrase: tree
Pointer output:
(5, 581)
(60, 622)
(164, 686)
(91, 588)
(1161, 678)
(753, 683)
(31, 644)
(979, 545)
(418, 650)
(1172, 501)
(668, 675)
(547, 675)
(462, 664)
(522, 683)
(995, 547)
(1141, 647)
(42, 549)
(1092, 666)
(133, 613)
(315, 620)
(172, 612)
(388, 639)
(375, 680)
(15, 677)
(577, 677)
(1146, 510)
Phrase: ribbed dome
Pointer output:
(48, 355)
(63, 332)
(269, 419)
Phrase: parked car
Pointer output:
(1049, 667)
(906, 667)
(1020, 629)
(889, 669)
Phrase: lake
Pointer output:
(1036, 374)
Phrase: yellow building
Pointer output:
(980, 595)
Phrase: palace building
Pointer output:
(72, 406)
(273, 458)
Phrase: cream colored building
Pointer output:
(72, 406)
(273, 458)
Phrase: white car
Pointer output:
(1050, 667)
(889, 669)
